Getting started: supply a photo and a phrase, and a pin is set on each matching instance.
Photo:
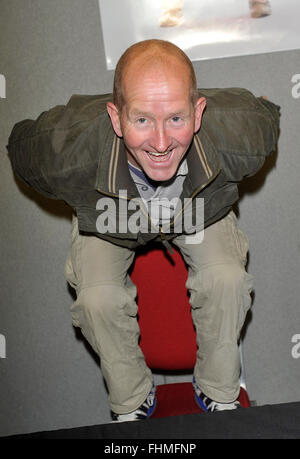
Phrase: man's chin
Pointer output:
(156, 169)
(160, 175)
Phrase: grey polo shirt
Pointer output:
(161, 198)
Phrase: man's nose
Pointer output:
(161, 141)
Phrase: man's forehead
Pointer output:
(140, 102)
(160, 67)
(152, 84)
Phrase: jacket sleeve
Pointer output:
(57, 154)
(244, 130)
(29, 144)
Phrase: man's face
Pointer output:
(158, 119)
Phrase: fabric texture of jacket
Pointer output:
(71, 153)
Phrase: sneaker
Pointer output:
(143, 412)
(209, 405)
(260, 9)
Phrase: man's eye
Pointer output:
(176, 119)
(142, 121)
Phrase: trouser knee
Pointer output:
(220, 297)
(105, 301)
(105, 311)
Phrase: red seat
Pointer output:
(168, 338)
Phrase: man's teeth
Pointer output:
(160, 157)
(158, 154)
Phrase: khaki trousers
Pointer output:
(106, 311)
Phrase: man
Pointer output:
(162, 140)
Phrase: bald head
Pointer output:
(151, 54)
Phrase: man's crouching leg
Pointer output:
(220, 299)
(107, 317)
(220, 296)
(106, 312)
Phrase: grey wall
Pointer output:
(49, 376)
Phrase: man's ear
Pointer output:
(199, 109)
(114, 117)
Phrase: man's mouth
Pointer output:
(159, 157)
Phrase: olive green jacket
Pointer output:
(71, 153)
